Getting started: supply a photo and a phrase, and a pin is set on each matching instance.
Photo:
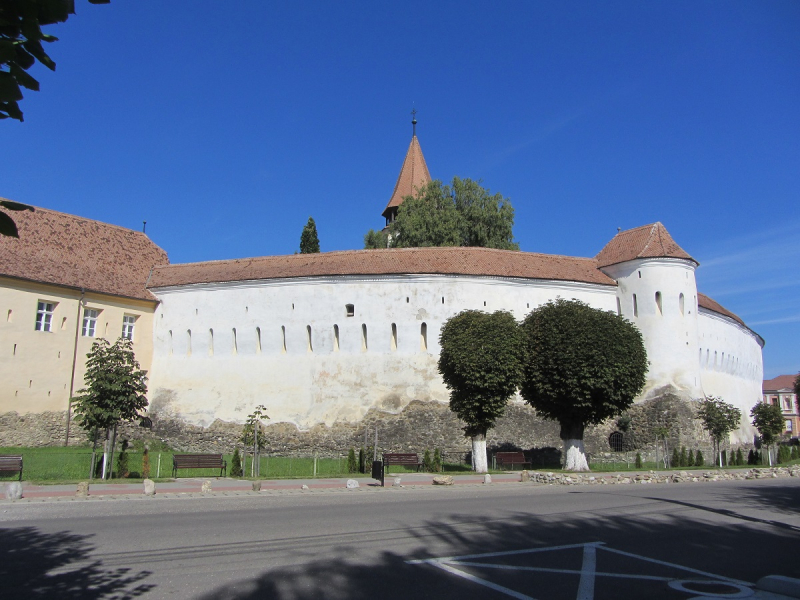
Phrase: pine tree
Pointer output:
(751, 458)
(352, 464)
(427, 462)
(698, 459)
(739, 457)
(437, 460)
(236, 464)
(146, 464)
(794, 453)
(690, 459)
(638, 461)
(683, 459)
(362, 464)
(309, 241)
(675, 461)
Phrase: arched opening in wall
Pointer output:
(442, 299)
(211, 342)
(619, 307)
(8, 317)
(308, 333)
(715, 360)
(640, 274)
(170, 342)
(616, 441)
(394, 337)
(363, 337)
(335, 338)
(349, 310)
(188, 342)
(235, 348)
(283, 339)
(658, 303)
(722, 363)
(258, 340)
(423, 337)
(680, 303)
(635, 307)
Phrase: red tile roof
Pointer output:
(781, 382)
(486, 262)
(648, 241)
(712, 305)
(414, 174)
(66, 250)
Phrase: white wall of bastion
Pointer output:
(731, 366)
(268, 360)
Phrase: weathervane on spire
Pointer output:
(414, 121)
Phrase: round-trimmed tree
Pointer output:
(480, 365)
(581, 366)
(719, 418)
(768, 419)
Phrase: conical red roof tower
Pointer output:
(413, 175)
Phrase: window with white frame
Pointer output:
(44, 315)
(89, 322)
(128, 323)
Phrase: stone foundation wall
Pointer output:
(420, 426)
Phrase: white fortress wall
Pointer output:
(221, 349)
(659, 295)
(731, 366)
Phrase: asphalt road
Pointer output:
(494, 541)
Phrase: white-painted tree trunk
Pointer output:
(575, 456)
(479, 461)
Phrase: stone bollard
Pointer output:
(83, 489)
(14, 491)
(206, 487)
(304, 487)
(487, 478)
(524, 476)
(149, 487)
(256, 486)
(396, 482)
(443, 480)
(352, 484)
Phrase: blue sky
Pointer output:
(226, 129)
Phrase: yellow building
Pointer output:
(64, 283)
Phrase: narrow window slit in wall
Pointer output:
(394, 337)
(658, 303)
(283, 339)
(8, 317)
(363, 337)
(48, 392)
(258, 340)
(246, 309)
(635, 307)
(59, 353)
(235, 349)
(406, 301)
(211, 342)
(681, 303)
(196, 311)
(423, 337)
(15, 350)
(442, 299)
(335, 338)
(619, 307)
(308, 331)
(349, 310)
(528, 305)
(484, 302)
(170, 342)
(292, 305)
(188, 342)
(30, 382)
(640, 274)
(63, 323)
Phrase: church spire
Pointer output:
(413, 174)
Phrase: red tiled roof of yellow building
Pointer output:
(648, 241)
(781, 382)
(66, 250)
(485, 262)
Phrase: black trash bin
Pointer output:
(377, 470)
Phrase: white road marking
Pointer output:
(586, 585)
(483, 582)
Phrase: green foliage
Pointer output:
(122, 460)
(375, 240)
(699, 461)
(581, 365)
(427, 461)
(21, 40)
(146, 464)
(751, 458)
(768, 419)
(236, 464)
(480, 365)
(683, 459)
(718, 418)
(795, 453)
(638, 460)
(624, 422)
(784, 454)
(115, 386)
(254, 425)
(309, 241)
(690, 459)
(352, 463)
(675, 459)
(739, 457)
(437, 460)
(461, 214)
(362, 464)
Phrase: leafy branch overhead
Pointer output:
(21, 39)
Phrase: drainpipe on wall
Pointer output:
(74, 362)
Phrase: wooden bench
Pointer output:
(198, 461)
(396, 458)
(11, 463)
(510, 458)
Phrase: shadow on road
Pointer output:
(663, 531)
(37, 565)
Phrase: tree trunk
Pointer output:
(111, 460)
(479, 462)
(106, 450)
(574, 453)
